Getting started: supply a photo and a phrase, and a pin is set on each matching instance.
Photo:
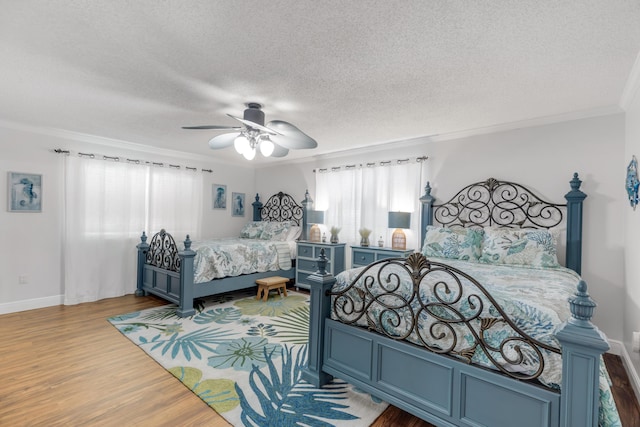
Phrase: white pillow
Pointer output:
(294, 233)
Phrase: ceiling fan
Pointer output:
(274, 139)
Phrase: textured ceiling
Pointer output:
(349, 73)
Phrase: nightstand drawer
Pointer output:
(305, 250)
(313, 251)
(362, 258)
(318, 249)
(383, 255)
(310, 265)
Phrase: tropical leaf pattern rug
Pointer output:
(244, 358)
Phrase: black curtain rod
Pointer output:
(136, 161)
(372, 164)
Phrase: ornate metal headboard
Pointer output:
(279, 207)
(507, 204)
(498, 203)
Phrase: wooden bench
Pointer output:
(269, 283)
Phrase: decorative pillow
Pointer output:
(453, 243)
(294, 232)
(275, 230)
(520, 247)
(251, 230)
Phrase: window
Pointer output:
(107, 206)
(357, 197)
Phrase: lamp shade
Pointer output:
(399, 219)
(315, 217)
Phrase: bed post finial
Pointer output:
(575, 182)
(582, 347)
(574, 198)
(582, 306)
(322, 263)
(427, 211)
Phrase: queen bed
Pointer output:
(265, 247)
(476, 330)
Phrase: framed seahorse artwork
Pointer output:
(25, 192)
(632, 182)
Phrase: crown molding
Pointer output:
(632, 87)
(503, 127)
(103, 141)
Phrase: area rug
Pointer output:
(244, 358)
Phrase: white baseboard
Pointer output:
(30, 304)
(618, 348)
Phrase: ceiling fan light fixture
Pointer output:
(266, 147)
(241, 144)
(274, 139)
(249, 153)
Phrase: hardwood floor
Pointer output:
(67, 366)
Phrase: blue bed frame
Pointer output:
(166, 272)
(444, 390)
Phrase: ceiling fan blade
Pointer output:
(255, 125)
(223, 141)
(290, 136)
(219, 127)
(279, 151)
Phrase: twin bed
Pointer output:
(474, 331)
(181, 273)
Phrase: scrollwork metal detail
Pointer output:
(498, 203)
(163, 252)
(282, 207)
(444, 310)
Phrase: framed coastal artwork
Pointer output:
(25, 192)
(219, 196)
(237, 201)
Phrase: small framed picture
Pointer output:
(237, 201)
(219, 196)
(25, 192)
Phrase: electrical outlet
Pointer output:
(635, 344)
(23, 279)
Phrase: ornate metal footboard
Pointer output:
(437, 385)
(443, 309)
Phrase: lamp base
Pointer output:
(398, 240)
(314, 233)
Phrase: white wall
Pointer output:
(632, 234)
(542, 157)
(31, 242)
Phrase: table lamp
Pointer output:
(314, 218)
(399, 220)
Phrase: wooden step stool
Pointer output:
(269, 283)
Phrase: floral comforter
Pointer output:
(233, 256)
(534, 298)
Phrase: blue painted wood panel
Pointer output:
(439, 389)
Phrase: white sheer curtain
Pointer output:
(175, 202)
(107, 206)
(362, 197)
